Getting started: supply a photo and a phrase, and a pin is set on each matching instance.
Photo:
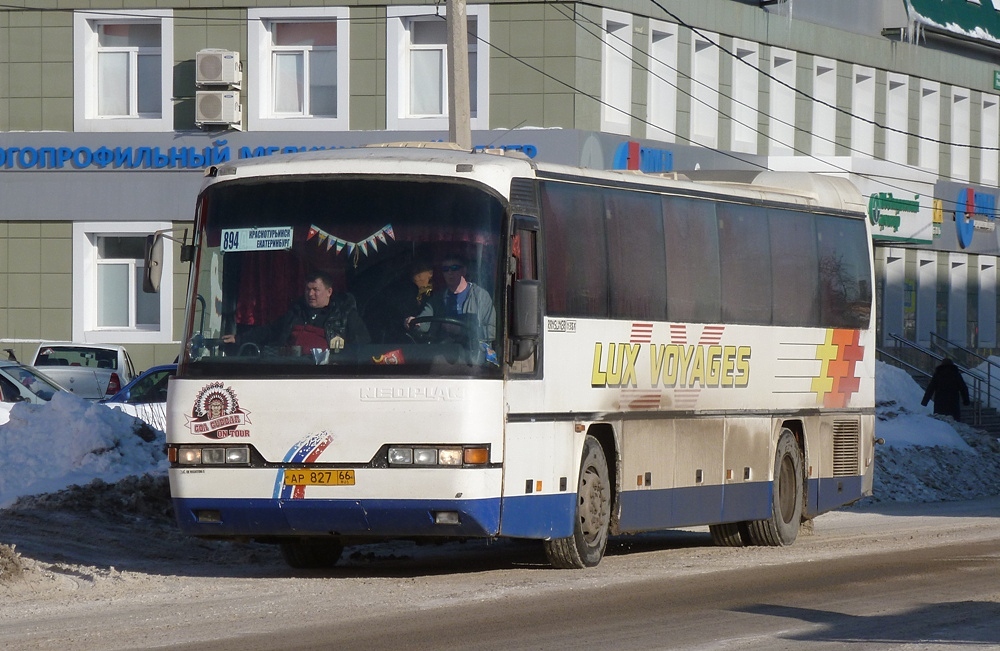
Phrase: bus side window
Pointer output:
(524, 250)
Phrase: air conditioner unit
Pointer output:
(218, 107)
(214, 67)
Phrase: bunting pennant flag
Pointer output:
(366, 246)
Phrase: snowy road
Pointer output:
(862, 577)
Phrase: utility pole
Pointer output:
(459, 125)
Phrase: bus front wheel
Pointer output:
(786, 497)
(586, 546)
(311, 553)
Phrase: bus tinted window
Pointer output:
(636, 258)
(575, 250)
(745, 256)
(794, 268)
(845, 284)
(691, 234)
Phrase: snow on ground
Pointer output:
(74, 455)
(47, 447)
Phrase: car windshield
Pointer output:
(77, 356)
(332, 276)
(33, 380)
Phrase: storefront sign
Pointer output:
(632, 156)
(972, 207)
(884, 209)
(157, 158)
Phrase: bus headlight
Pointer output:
(424, 456)
(215, 455)
(451, 456)
(400, 456)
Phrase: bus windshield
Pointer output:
(346, 276)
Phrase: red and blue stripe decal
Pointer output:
(305, 451)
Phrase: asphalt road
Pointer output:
(913, 596)
(888, 577)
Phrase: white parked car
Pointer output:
(90, 371)
(22, 383)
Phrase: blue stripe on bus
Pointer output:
(538, 516)
(832, 493)
(389, 518)
(650, 510)
(524, 516)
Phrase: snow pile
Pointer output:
(927, 458)
(47, 447)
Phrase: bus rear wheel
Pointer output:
(730, 534)
(586, 546)
(311, 553)
(786, 497)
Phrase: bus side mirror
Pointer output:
(153, 258)
(526, 325)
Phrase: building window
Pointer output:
(417, 73)
(745, 90)
(123, 71)
(298, 69)
(705, 89)
(108, 302)
(662, 111)
(863, 110)
(782, 102)
(120, 299)
(824, 118)
(928, 150)
(616, 73)
(961, 101)
(989, 140)
(896, 117)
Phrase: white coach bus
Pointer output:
(632, 353)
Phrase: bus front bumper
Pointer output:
(388, 518)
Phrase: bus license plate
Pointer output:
(306, 477)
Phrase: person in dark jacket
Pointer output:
(319, 320)
(400, 302)
(945, 389)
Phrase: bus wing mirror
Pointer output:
(526, 325)
(154, 258)
(153, 270)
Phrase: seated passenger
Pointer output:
(320, 319)
(400, 302)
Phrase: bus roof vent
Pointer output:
(524, 196)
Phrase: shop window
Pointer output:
(417, 77)
(108, 302)
(123, 71)
(299, 69)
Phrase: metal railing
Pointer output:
(983, 368)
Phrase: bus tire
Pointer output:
(730, 534)
(311, 553)
(586, 546)
(786, 497)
